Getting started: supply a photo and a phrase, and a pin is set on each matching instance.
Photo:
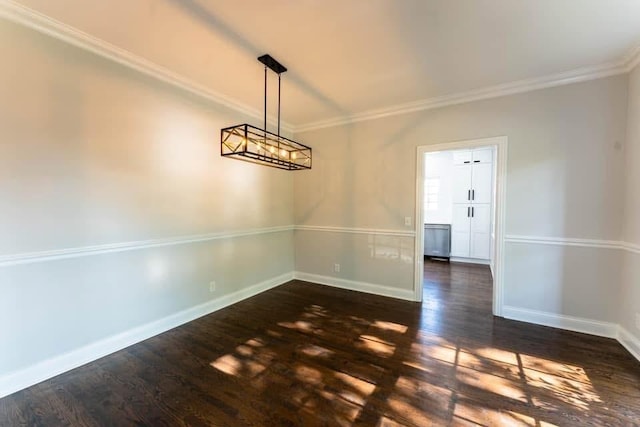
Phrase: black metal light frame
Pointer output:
(255, 145)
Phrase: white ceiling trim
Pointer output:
(18, 13)
(629, 62)
(30, 18)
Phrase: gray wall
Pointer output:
(564, 180)
(92, 154)
(630, 293)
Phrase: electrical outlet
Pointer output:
(336, 268)
(407, 221)
(212, 286)
(638, 320)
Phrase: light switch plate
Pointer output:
(407, 221)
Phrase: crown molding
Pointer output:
(520, 86)
(20, 14)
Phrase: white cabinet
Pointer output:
(482, 155)
(480, 242)
(461, 230)
(462, 157)
(472, 198)
(461, 190)
(479, 155)
(480, 183)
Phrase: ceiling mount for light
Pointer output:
(252, 144)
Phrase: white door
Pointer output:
(461, 188)
(481, 180)
(480, 246)
(461, 230)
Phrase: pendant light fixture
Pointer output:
(255, 145)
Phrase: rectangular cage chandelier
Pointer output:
(255, 145)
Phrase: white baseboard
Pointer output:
(352, 285)
(570, 323)
(46, 369)
(629, 341)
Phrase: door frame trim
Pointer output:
(501, 145)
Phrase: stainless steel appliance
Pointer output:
(437, 240)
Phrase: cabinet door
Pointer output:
(461, 188)
(481, 180)
(460, 231)
(462, 157)
(481, 231)
(482, 155)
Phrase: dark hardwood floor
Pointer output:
(306, 355)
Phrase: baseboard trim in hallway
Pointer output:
(49, 368)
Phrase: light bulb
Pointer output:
(294, 156)
(258, 146)
(242, 142)
(272, 150)
(284, 153)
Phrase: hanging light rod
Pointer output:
(255, 145)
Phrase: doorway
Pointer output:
(460, 193)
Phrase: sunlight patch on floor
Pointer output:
(375, 345)
(313, 350)
(552, 380)
(299, 325)
(308, 375)
(495, 354)
(438, 352)
(227, 364)
(435, 377)
(492, 384)
(390, 326)
(479, 414)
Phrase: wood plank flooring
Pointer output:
(309, 355)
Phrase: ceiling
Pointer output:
(349, 57)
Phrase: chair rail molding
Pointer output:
(356, 230)
(55, 254)
(565, 241)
